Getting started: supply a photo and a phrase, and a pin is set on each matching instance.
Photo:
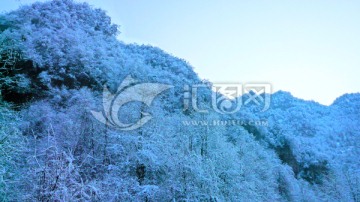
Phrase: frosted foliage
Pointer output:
(55, 58)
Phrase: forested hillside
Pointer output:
(56, 58)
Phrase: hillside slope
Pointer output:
(56, 58)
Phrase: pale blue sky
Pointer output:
(310, 48)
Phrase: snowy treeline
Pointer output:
(55, 58)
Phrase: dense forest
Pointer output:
(56, 58)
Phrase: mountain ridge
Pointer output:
(57, 56)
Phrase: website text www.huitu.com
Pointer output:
(263, 123)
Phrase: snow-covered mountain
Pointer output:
(56, 58)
